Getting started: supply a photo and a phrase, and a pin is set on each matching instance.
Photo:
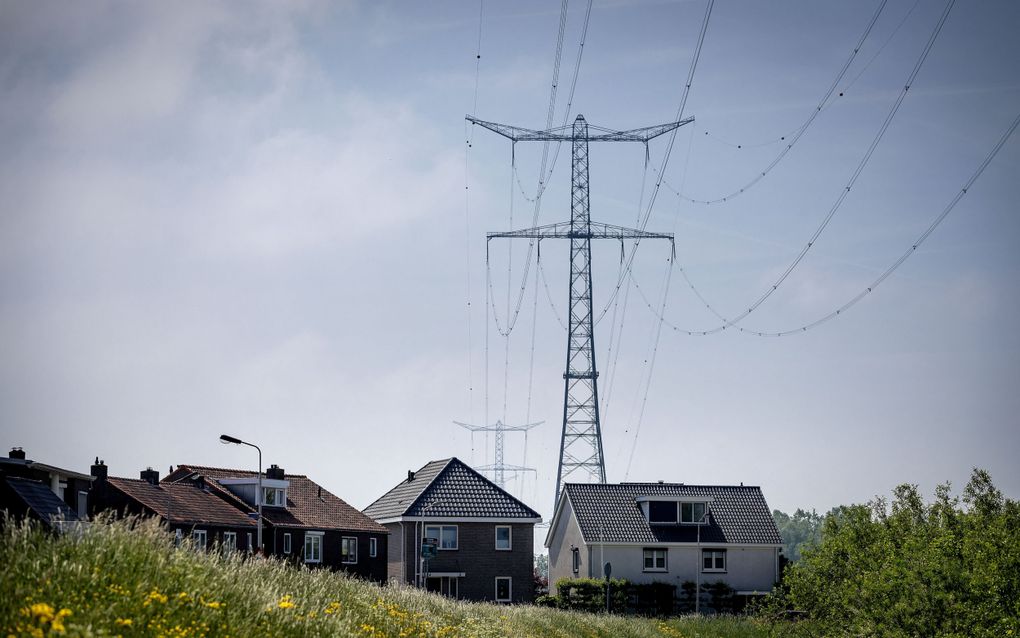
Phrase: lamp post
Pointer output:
(226, 438)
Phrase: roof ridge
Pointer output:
(230, 469)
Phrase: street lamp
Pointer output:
(226, 438)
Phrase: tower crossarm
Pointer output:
(566, 133)
(596, 230)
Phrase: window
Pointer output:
(313, 547)
(503, 538)
(693, 512)
(348, 550)
(198, 536)
(251, 545)
(178, 537)
(229, 541)
(575, 559)
(372, 547)
(274, 496)
(655, 560)
(286, 543)
(445, 535)
(83, 505)
(713, 560)
(503, 589)
(662, 512)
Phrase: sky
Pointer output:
(269, 220)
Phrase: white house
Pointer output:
(665, 532)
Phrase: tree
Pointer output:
(908, 568)
(802, 530)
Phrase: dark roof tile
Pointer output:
(448, 489)
(610, 512)
(41, 500)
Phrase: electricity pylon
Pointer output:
(581, 437)
(498, 467)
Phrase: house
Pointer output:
(665, 532)
(190, 509)
(301, 520)
(51, 495)
(455, 532)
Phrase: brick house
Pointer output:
(302, 521)
(483, 538)
(50, 495)
(665, 532)
(190, 509)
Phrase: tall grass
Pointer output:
(125, 578)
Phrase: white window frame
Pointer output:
(509, 589)
(178, 537)
(373, 547)
(200, 538)
(316, 546)
(286, 543)
(443, 528)
(575, 559)
(251, 544)
(655, 553)
(509, 538)
(279, 496)
(694, 519)
(348, 540)
(714, 554)
(83, 505)
(229, 541)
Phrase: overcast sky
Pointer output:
(264, 219)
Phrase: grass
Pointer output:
(124, 578)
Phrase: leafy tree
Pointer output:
(908, 568)
(802, 530)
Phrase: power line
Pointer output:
(804, 127)
(849, 185)
(870, 287)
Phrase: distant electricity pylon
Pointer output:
(498, 467)
(581, 438)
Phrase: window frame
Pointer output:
(314, 545)
(509, 589)
(655, 553)
(373, 547)
(694, 520)
(279, 496)
(345, 544)
(228, 542)
(509, 538)
(197, 534)
(713, 554)
(575, 560)
(440, 543)
(286, 543)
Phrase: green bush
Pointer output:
(938, 570)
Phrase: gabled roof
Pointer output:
(609, 513)
(9, 463)
(182, 503)
(40, 500)
(449, 489)
(309, 505)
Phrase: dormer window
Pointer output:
(274, 496)
(274, 491)
(674, 510)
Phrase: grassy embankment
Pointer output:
(118, 580)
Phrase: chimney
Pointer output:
(17, 453)
(150, 475)
(98, 470)
(410, 476)
(275, 472)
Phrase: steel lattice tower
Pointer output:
(581, 438)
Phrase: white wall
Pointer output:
(566, 535)
(747, 569)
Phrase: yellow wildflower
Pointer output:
(124, 622)
(285, 602)
(212, 604)
(332, 608)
